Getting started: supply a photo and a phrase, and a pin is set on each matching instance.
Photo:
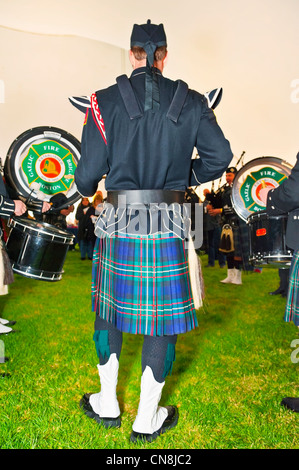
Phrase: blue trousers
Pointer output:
(86, 248)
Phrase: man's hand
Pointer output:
(46, 206)
(20, 207)
(214, 212)
(263, 194)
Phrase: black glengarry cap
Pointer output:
(148, 36)
(232, 169)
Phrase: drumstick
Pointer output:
(35, 186)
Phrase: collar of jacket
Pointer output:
(141, 70)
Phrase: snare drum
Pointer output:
(267, 240)
(36, 249)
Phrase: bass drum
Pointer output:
(41, 163)
(266, 233)
(36, 249)
(267, 240)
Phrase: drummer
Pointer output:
(8, 208)
(281, 200)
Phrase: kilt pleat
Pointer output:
(142, 284)
(292, 305)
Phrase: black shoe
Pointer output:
(291, 403)
(170, 422)
(277, 291)
(4, 359)
(8, 323)
(106, 422)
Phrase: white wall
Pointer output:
(248, 48)
(38, 72)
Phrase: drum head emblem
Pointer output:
(51, 165)
(250, 190)
(264, 172)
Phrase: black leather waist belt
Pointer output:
(145, 196)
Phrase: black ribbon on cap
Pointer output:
(149, 37)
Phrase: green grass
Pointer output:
(228, 379)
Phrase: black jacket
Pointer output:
(285, 199)
(7, 206)
(150, 151)
(82, 220)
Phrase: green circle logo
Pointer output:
(51, 165)
(266, 177)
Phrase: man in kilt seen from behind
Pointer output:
(141, 133)
(281, 200)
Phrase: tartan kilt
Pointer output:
(241, 241)
(141, 284)
(292, 305)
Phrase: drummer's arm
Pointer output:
(285, 197)
(7, 207)
(266, 195)
(46, 206)
(272, 207)
(20, 207)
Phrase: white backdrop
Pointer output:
(50, 49)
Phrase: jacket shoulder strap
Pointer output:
(178, 101)
(128, 96)
(132, 106)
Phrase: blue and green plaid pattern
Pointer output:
(142, 285)
(292, 306)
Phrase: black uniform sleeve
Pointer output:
(7, 206)
(213, 149)
(93, 163)
(285, 197)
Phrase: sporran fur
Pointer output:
(226, 239)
